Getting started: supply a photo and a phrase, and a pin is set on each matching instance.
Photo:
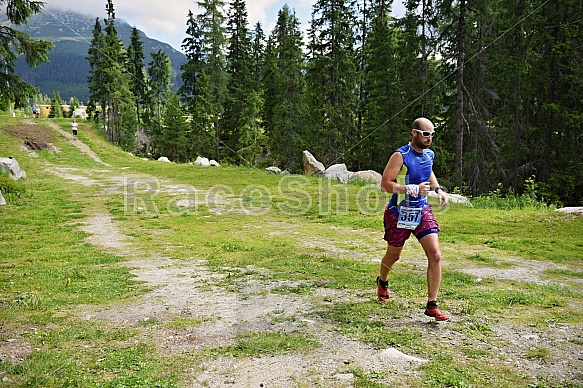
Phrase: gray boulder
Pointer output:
(203, 162)
(453, 198)
(368, 175)
(79, 113)
(11, 165)
(311, 165)
(338, 172)
(2, 200)
(274, 169)
(163, 159)
(572, 210)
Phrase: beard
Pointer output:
(421, 142)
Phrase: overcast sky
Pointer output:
(165, 20)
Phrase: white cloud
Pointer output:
(166, 20)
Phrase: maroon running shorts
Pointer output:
(396, 237)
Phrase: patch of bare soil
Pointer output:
(31, 132)
(35, 138)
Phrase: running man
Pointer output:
(409, 177)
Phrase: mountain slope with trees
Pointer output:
(67, 69)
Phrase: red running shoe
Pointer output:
(382, 290)
(431, 310)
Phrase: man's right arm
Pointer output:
(390, 173)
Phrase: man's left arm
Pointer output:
(440, 193)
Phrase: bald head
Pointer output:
(423, 124)
(422, 134)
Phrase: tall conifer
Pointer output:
(287, 131)
(213, 34)
(239, 84)
(332, 77)
(137, 72)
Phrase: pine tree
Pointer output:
(96, 79)
(560, 115)
(160, 83)
(382, 97)
(173, 138)
(270, 82)
(332, 77)
(416, 49)
(160, 80)
(137, 72)
(469, 138)
(459, 117)
(251, 142)
(118, 97)
(287, 129)
(193, 48)
(239, 85)
(536, 118)
(56, 109)
(201, 136)
(257, 58)
(211, 22)
(73, 105)
(13, 89)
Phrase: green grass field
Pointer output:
(509, 274)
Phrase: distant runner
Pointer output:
(74, 129)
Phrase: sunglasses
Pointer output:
(425, 133)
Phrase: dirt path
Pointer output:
(77, 143)
(186, 290)
(182, 290)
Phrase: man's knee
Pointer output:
(434, 257)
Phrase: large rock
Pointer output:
(311, 165)
(11, 165)
(163, 159)
(79, 113)
(338, 172)
(453, 198)
(201, 161)
(368, 175)
(274, 169)
(2, 200)
(572, 210)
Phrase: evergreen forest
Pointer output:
(501, 80)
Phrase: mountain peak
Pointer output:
(72, 32)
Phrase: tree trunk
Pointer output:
(459, 130)
(217, 139)
(549, 124)
(423, 70)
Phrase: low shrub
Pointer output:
(11, 190)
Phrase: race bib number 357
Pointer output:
(409, 217)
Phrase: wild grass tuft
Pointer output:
(11, 190)
(255, 344)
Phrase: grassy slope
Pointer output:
(47, 269)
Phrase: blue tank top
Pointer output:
(417, 168)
